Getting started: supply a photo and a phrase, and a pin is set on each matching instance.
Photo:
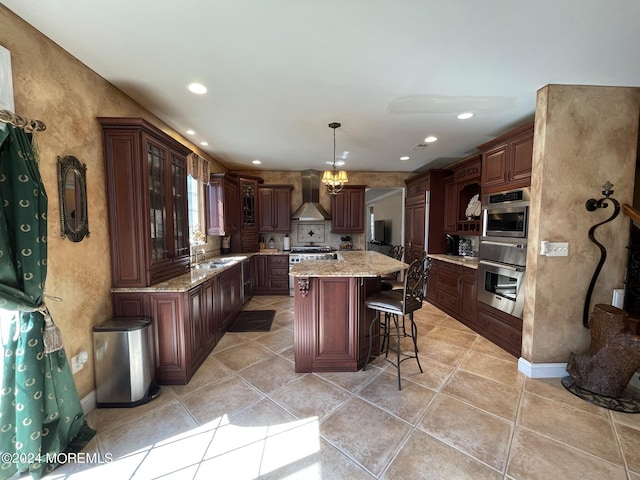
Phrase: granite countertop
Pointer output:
(187, 281)
(349, 264)
(471, 262)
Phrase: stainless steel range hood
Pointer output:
(310, 210)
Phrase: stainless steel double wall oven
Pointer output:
(503, 250)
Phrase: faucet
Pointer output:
(202, 252)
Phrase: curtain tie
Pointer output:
(51, 336)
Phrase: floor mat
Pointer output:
(253, 321)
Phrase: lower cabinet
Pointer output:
(453, 289)
(271, 274)
(186, 325)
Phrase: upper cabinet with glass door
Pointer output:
(147, 200)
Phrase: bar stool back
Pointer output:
(395, 303)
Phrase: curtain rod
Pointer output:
(16, 120)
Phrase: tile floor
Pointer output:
(470, 415)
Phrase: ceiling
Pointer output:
(390, 71)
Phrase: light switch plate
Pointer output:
(554, 249)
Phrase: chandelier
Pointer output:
(334, 179)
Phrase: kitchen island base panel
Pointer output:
(331, 324)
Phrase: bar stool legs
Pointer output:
(385, 334)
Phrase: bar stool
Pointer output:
(391, 282)
(399, 302)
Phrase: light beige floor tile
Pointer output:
(409, 403)
(243, 355)
(270, 374)
(450, 322)
(365, 433)
(434, 374)
(220, 399)
(629, 419)
(284, 319)
(239, 464)
(501, 371)
(104, 418)
(160, 424)
(211, 370)
(352, 381)
(479, 434)
(552, 389)
(277, 340)
(494, 397)
(630, 442)
(441, 351)
(487, 347)
(424, 457)
(288, 354)
(174, 457)
(230, 339)
(300, 453)
(86, 470)
(124, 467)
(453, 336)
(253, 424)
(536, 457)
(590, 433)
(310, 396)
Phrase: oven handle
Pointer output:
(501, 265)
(504, 244)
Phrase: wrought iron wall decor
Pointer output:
(72, 194)
(592, 205)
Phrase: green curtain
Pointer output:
(40, 411)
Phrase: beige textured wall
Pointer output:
(370, 179)
(54, 87)
(584, 136)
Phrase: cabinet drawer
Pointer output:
(448, 301)
(278, 260)
(279, 272)
(448, 281)
(276, 284)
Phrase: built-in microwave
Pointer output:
(505, 214)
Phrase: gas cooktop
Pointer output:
(311, 249)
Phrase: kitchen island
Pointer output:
(331, 322)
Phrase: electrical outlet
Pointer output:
(554, 249)
(78, 361)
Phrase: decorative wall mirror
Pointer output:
(72, 193)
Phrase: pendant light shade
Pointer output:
(334, 179)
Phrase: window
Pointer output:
(195, 201)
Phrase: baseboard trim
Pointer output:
(542, 370)
(89, 402)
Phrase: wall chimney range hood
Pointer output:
(311, 210)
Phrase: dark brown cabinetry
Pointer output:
(270, 274)
(331, 324)
(274, 208)
(187, 325)
(232, 210)
(506, 160)
(502, 329)
(146, 181)
(460, 188)
(415, 211)
(452, 288)
(347, 210)
(222, 195)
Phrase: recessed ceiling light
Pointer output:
(404, 158)
(191, 132)
(465, 115)
(204, 144)
(430, 139)
(256, 162)
(344, 155)
(197, 88)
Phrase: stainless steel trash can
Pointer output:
(123, 362)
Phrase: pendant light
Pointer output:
(334, 179)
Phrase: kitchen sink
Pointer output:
(208, 265)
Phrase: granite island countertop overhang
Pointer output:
(349, 264)
(470, 262)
